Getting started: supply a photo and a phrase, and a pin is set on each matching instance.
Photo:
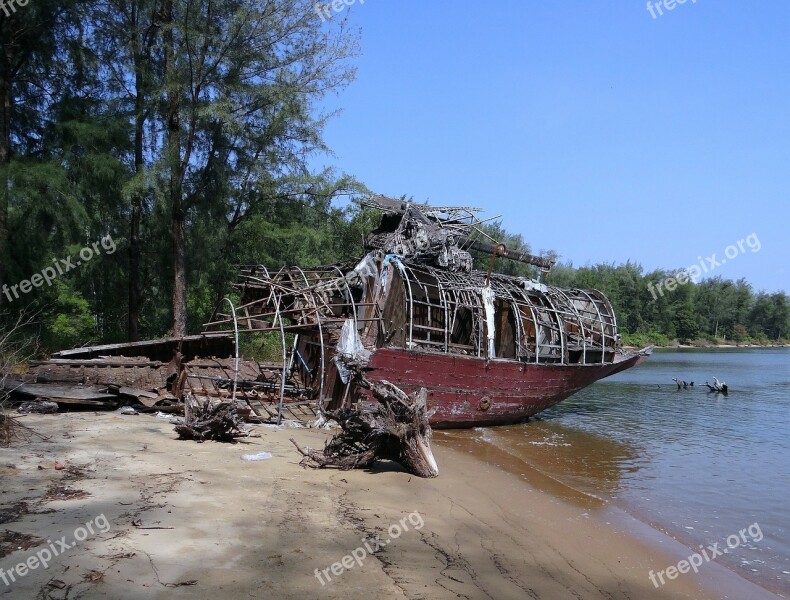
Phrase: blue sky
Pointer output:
(597, 130)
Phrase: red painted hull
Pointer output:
(470, 392)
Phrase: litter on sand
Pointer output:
(259, 456)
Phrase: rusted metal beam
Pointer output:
(501, 250)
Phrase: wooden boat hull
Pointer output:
(467, 391)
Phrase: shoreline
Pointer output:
(196, 521)
(679, 346)
(720, 578)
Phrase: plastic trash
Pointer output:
(350, 350)
(167, 417)
(259, 456)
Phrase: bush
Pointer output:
(640, 340)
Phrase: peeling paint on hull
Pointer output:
(470, 392)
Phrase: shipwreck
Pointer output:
(490, 349)
(407, 338)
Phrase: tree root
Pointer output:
(394, 428)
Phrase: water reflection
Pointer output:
(573, 464)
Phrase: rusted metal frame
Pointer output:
(552, 324)
(603, 326)
(443, 296)
(286, 276)
(285, 362)
(529, 304)
(569, 313)
(443, 304)
(426, 295)
(579, 320)
(562, 316)
(246, 306)
(236, 330)
(466, 297)
(474, 301)
(506, 291)
(558, 316)
(304, 312)
(245, 270)
(300, 326)
(609, 311)
(432, 308)
(323, 349)
(405, 274)
(268, 281)
(262, 317)
(451, 325)
(443, 292)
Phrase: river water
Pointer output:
(700, 466)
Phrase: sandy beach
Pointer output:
(131, 512)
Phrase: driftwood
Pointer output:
(682, 384)
(718, 387)
(394, 428)
(207, 421)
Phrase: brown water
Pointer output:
(699, 466)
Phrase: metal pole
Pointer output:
(236, 330)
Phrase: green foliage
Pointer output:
(715, 310)
(67, 322)
(264, 347)
(641, 340)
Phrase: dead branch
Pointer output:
(13, 353)
(682, 384)
(718, 387)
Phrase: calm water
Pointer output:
(698, 465)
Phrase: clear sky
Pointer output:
(598, 130)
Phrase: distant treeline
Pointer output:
(714, 310)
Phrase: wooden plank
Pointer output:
(64, 392)
(137, 393)
(96, 362)
(107, 404)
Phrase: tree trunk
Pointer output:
(5, 158)
(135, 291)
(178, 212)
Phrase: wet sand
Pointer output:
(196, 521)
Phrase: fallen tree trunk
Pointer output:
(394, 428)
